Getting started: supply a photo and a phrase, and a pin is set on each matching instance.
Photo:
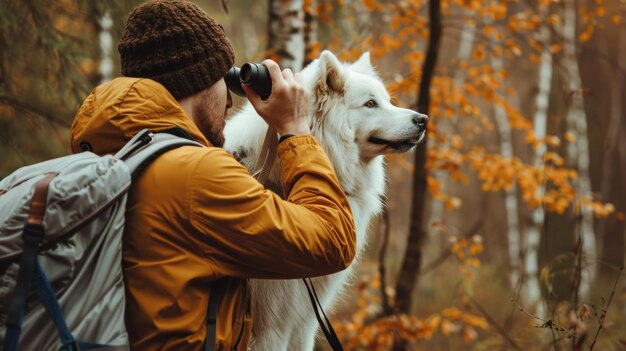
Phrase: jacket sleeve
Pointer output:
(250, 232)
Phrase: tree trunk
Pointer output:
(506, 150)
(310, 32)
(612, 229)
(413, 255)
(530, 291)
(286, 32)
(106, 48)
(466, 44)
(578, 151)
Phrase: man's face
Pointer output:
(209, 109)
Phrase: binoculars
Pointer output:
(254, 75)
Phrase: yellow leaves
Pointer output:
(556, 48)
(314, 51)
(453, 322)
(456, 141)
(488, 30)
(447, 327)
(599, 209)
(469, 334)
(553, 158)
(601, 11)
(479, 53)
(366, 329)
(523, 22)
(534, 58)
(552, 141)
(513, 47)
(616, 20)
(452, 313)
(570, 137)
(499, 10)
(475, 321)
(465, 102)
(434, 186)
(586, 35)
(390, 43)
(554, 20)
(371, 5)
(476, 247)
(433, 321)
(473, 262)
(453, 203)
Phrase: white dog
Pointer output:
(356, 124)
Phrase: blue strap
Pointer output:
(11, 338)
(15, 317)
(51, 304)
(49, 301)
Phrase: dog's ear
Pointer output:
(363, 61)
(330, 76)
(364, 65)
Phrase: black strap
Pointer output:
(211, 321)
(329, 332)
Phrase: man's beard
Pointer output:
(216, 139)
(211, 127)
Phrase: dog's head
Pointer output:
(352, 106)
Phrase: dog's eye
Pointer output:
(370, 104)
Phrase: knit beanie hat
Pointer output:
(177, 44)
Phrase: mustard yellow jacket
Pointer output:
(196, 215)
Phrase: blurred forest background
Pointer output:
(505, 231)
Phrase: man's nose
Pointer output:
(420, 120)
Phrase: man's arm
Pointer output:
(251, 233)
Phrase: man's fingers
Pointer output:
(288, 75)
(251, 94)
(274, 69)
(298, 78)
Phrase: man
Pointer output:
(195, 215)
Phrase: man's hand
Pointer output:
(287, 109)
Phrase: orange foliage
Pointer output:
(545, 182)
(368, 329)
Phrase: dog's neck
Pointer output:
(363, 182)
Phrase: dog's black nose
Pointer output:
(420, 120)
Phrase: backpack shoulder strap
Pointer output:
(145, 146)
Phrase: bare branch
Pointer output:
(605, 308)
(25, 106)
(493, 323)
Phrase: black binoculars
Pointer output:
(254, 75)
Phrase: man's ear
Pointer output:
(364, 65)
(330, 78)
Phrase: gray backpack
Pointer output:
(61, 225)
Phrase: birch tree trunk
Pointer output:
(106, 48)
(310, 32)
(506, 150)
(286, 32)
(466, 44)
(530, 292)
(578, 151)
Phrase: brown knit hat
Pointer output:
(177, 44)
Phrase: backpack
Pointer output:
(61, 226)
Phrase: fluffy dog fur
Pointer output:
(355, 122)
